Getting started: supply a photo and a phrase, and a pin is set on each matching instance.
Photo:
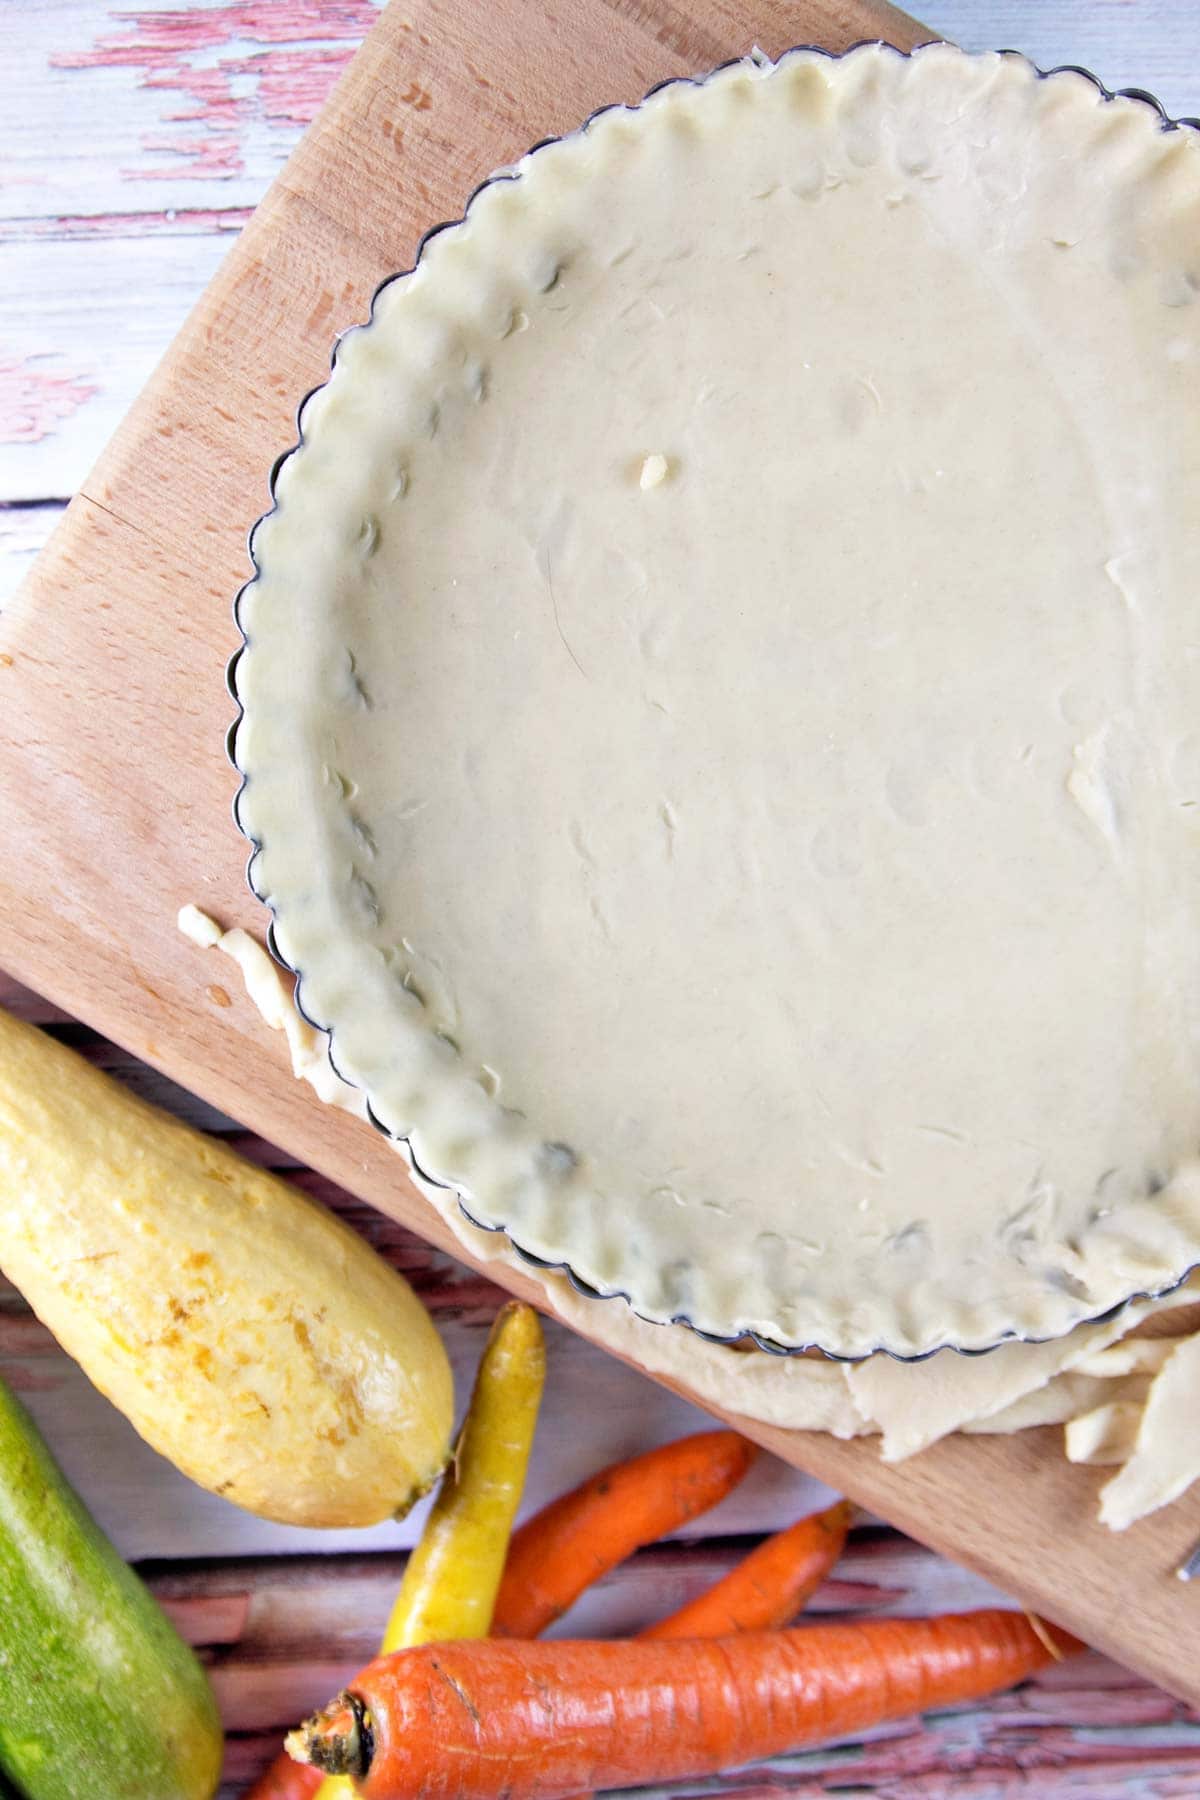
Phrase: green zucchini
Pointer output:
(100, 1699)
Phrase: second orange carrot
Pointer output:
(576, 1539)
(769, 1586)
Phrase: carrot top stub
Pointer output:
(563, 1717)
(346, 1743)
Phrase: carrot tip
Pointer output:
(338, 1740)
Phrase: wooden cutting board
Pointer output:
(114, 789)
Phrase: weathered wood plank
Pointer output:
(189, 101)
(915, 1762)
(1078, 1726)
(1127, 43)
(18, 999)
(280, 1606)
(23, 531)
(194, 108)
(1167, 1777)
(197, 105)
(82, 323)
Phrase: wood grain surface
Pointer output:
(157, 693)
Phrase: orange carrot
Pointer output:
(765, 1590)
(541, 1721)
(769, 1586)
(666, 1485)
(285, 1780)
(577, 1538)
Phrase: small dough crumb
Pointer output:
(198, 926)
(1106, 1436)
(271, 993)
(655, 470)
(1166, 1454)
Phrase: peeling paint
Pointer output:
(35, 401)
(285, 57)
(195, 221)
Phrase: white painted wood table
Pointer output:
(134, 141)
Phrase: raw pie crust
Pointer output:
(721, 703)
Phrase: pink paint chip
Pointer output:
(34, 402)
(299, 48)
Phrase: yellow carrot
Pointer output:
(450, 1584)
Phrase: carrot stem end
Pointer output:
(338, 1740)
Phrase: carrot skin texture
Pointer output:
(769, 1586)
(572, 1542)
(543, 1721)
